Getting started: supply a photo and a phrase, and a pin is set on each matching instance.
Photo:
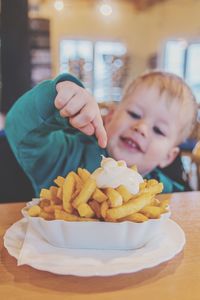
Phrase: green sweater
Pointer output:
(46, 145)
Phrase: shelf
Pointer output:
(40, 55)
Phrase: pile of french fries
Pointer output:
(77, 198)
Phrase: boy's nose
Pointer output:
(141, 127)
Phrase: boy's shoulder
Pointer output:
(170, 185)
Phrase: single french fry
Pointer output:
(88, 189)
(63, 215)
(59, 181)
(164, 203)
(132, 206)
(75, 194)
(152, 182)
(151, 212)
(78, 185)
(136, 217)
(134, 168)
(155, 202)
(99, 196)
(68, 189)
(114, 198)
(84, 174)
(46, 216)
(44, 202)
(85, 210)
(96, 207)
(57, 201)
(57, 206)
(164, 210)
(143, 185)
(75, 212)
(104, 208)
(78, 180)
(60, 193)
(154, 189)
(53, 192)
(49, 209)
(45, 194)
(34, 211)
(126, 195)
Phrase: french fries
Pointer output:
(34, 211)
(86, 192)
(131, 207)
(68, 190)
(99, 196)
(126, 195)
(77, 198)
(136, 217)
(114, 198)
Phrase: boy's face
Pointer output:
(143, 130)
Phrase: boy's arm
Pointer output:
(34, 129)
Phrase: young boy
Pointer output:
(52, 129)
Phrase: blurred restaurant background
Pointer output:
(105, 43)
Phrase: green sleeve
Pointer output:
(38, 135)
(170, 186)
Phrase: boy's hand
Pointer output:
(79, 106)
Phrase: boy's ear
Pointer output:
(170, 157)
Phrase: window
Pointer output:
(101, 66)
(192, 74)
(183, 58)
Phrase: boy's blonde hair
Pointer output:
(175, 89)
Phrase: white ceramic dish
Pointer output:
(31, 249)
(96, 235)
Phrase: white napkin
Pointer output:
(36, 249)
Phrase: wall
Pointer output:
(143, 32)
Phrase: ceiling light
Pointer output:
(59, 5)
(105, 9)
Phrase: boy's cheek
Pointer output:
(113, 133)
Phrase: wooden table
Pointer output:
(177, 279)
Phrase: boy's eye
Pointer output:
(133, 114)
(158, 131)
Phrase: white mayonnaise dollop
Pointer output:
(113, 174)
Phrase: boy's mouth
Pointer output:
(131, 144)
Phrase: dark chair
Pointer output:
(14, 184)
(176, 172)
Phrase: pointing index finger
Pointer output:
(100, 131)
